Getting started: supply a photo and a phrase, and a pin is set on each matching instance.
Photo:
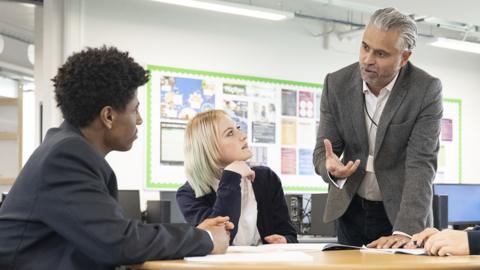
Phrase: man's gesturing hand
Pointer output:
(335, 166)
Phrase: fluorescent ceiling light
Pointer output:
(28, 5)
(457, 45)
(233, 8)
(350, 5)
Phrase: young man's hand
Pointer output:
(219, 228)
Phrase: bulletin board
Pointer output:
(280, 118)
(450, 153)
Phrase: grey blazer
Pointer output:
(406, 145)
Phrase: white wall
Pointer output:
(160, 34)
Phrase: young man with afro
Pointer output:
(62, 212)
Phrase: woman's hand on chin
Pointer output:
(242, 168)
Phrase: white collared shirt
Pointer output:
(247, 233)
(374, 106)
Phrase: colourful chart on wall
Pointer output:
(279, 117)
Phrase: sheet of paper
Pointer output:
(276, 248)
(417, 251)
(282, 256)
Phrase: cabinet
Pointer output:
(10, 137)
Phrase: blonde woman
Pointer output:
(220, 183)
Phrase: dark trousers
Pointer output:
(363, 222)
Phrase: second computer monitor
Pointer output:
(463, 202)
(130, 202)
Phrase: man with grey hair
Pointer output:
(378, 138)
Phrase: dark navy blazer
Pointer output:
(62, 213)
(272, 218)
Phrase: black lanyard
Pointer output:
(366, 110)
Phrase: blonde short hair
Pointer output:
(203, 165)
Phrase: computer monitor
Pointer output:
(318, 227)
(176, 215)
(463, 202)
(130, 202)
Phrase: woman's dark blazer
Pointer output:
(273, 217)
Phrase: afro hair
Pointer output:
(95, 78)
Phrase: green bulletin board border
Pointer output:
(174, 186)
(152, 68)
(231, 76)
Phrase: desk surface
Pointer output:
(332, 260)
